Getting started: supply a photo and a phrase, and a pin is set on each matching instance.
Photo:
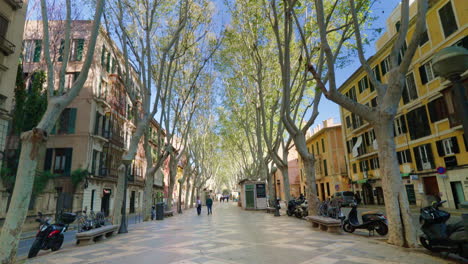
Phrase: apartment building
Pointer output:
(428, 133)
(326, 144)
(293, 174)
(94, 130)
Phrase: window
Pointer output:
(363, 84)
(397, 26)
(363, 165)
(3, 26)
(462, 42)
(325, 169)
(419, 123)
(77, 50)
(401, 54)
(426, 73)
(351, 94)
(376, 72)
(404, 156)
(409, 91)
(103, 56)
(437, 109)
(423, 157)
(66, 122)
(70, 78)
(385, 65)
(318, 150)
(373, 102)
(356, 121)
(448, 146)
(354, 168)
(32, 50)
(323, 145)
(374, 163)
(348, 122)
(313, 152)
(447, 18)
(424, 38)
(62, 161)
(400, 125)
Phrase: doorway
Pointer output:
(367, 193)
(249, 196)
(380, 196)
(458, 194)
(105, 201)
(410, 193)
(132, 202)
(431, 187)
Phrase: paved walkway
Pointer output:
(232, 235)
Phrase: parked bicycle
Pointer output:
(87, 222)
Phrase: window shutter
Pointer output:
(96, 123)
(440, 148)
(108, 62)
(405, 94)
(377, 71)
(79, 49)
(456, 148)
(382, 65)
(37, 50)
(422, 74)
(93, 163)
(408, 155)
(417, 158)
(432, 111)
(430, 156)
(399, 158)
(68, 161)
(372, 165)
(403, 124)
(72, 121)
(48, 159)
(103, 55)
(360, 167)
(62, 46)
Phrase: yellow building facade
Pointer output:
(431, 150)
(326, 144)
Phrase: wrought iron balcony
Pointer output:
(15, 4)
(6, 46)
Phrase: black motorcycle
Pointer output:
(440, 237)
(372, 221)
(292, 204)
(50, 236)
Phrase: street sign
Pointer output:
(441, 170)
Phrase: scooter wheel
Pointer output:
(382, 229)
(58, 243)
(35, 247)
(347, 227)
(425, 243)
(289, 213)
(298, 215)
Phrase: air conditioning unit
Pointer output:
(426, 166)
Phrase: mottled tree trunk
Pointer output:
(187, 193)
(148, 194)
(192, 193)
(32, 142)
(401, 231)
(118, 196)
(286, 187)
(309, 171)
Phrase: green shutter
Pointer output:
(108, 62)
(72, 121)
(37, 50)
(62, 45)
(79, 50)
(68, 161)
(48, 159)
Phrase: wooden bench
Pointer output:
(270, 210)
(325, 223)
(168, 213)
(94, 235)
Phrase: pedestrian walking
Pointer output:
(227, 198)
(153, 212)
(198, 205)
(209, 204)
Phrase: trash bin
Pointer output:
(160, 211)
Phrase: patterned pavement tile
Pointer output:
(234, 236)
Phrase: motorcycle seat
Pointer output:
(372, 212)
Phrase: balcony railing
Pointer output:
(6, 46)
(15, 4)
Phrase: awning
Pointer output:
(362, 181)
(404, 175)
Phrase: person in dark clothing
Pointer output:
(209, 204)
(198, 205)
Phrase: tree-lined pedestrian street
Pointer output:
(234, 236)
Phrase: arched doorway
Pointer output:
(367, 194)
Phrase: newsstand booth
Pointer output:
(253, 195)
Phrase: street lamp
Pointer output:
(450, 63)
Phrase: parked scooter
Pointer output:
(292, 204)
(50, 236)
(440, 237)
(302, 210)
(372, 221)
